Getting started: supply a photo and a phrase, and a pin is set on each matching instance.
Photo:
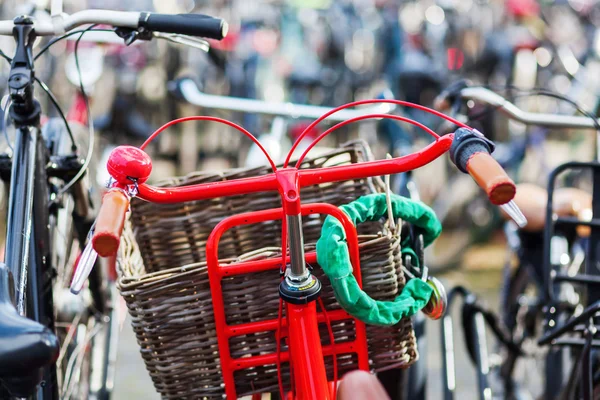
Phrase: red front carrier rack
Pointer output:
(225, 332)
(303, 337)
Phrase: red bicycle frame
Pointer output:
(131, 167)
(301, 325)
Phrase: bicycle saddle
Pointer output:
(567, 202)
(26, 346)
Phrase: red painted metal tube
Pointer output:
(263, 183)
(266, 359)
(307, 177)
(272, 324)
(248, 267)
(310, 377)
(216, 292)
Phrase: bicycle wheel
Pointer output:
(526, 376)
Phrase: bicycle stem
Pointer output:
(298, 271)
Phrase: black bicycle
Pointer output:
(546, 334)
(54, 344)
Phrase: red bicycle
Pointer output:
(130, 168)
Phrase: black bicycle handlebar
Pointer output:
(185, 24)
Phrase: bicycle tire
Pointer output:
(515, 285)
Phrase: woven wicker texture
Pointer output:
(164, 280)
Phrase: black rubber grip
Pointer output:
(185, 24)
(466, 143)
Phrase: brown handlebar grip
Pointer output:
(110, 222)
(491, 177)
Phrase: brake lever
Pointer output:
(184, 39)
(450, 102)
(131, 35)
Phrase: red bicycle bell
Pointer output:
(129, 165)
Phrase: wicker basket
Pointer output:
(164, 280)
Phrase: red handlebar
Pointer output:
(484, 169)
(111, 218)
(306, 177)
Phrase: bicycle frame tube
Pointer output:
(40, 304)
(20, 211)
(28, 238)
(26, 258)
(477, 328)
(306, 352)
(27, 243)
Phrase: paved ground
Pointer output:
(132, 382)
(485, 284)
(481, 275)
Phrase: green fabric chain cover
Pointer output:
(333, 256)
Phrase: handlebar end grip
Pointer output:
(110, 223)
(467, 142)
(491, 177)
(185, 24)
(106, 244)
(470, 151)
